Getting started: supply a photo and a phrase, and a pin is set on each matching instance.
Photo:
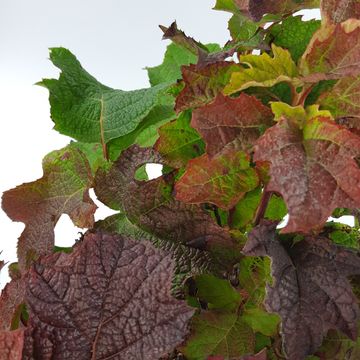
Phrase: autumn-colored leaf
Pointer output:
(338, 11)
(109, 298)
(343, 99)
(240, 120)
(63, 189)
(12, 345)
(151, 206)
(188, 261)
(221, 180)
(178, 142)
(314, 169)
(12, 296)
(202, 84)
(333, 52)
(310, 290)
(255, 9)
(264, 71)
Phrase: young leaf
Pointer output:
(202, 84)
(310, 291)
(63, 189)
(338, 11)
(294, 34)
(124, 287)
(264, 71)
(225, 120)
(178, 142)
(333, 52)
(151, 206)
(219, 333)
(221, 180)
(88, 111)
(314, 169)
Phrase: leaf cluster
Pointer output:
(260, 132)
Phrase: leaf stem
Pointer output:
(260, 213)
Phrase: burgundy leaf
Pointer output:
(151, 206)
(110, 298)
(310, 292)
(231, 119)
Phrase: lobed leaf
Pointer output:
(221, 180)
(313, 168)
(151, 206)
(264, 71)
(310, 290)
(333, 52)
(225, 120)
(63, 189)
(88, 111)
(109, 298)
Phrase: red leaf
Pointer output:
(202, 84)
(221, 180)
(231, 119)
(11, 345)
(310, 290)
(109, 298)
(314, 169)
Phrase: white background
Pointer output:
(113, 39)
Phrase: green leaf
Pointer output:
(294, 34)
(219, 333)
(146, 133)
(226, 5)
(264, 70)
(245, 209)
(298, 114)
(170, 69)
(88, 111)
(261, 321)
(218, 293)
(241, 28)
(178, 142)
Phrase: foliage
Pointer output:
(193, 265)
